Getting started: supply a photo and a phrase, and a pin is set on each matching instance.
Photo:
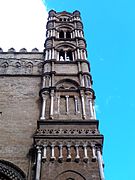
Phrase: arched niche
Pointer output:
(70, 175)
(9, 171)
(67, 84)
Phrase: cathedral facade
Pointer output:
(49, 129)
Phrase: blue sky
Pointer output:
(109, 27)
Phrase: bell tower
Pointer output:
(67, 143)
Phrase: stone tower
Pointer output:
(54, 136)
(67, 143)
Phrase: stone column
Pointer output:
(52, 99)
(85, 153)
(60, 154)
(43, 83)
(91, 108)
(44, 97)
(83, 105)
(94, 157)
(100, 164)
(82, 81)
(81, 54)
(57, 34)
(76, 57)
(75, 33)
(58, 104)
(85, 55)
(78, 33)
(53, 79)
(81, 34)
(77, 153)
(57, 55)
(67, 104)
(46, 54)
(73, 56)
(94, 112)
(78, 52)
(50, 54)
(65, 55)
(76, 104)
(79, 66)
(44, 152)
(38, 163)
(52, 153)
(68, 153)
(54, 32)
(64, 34)
(48, 33)
(71, 35)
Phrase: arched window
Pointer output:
(61, 34)
(69, 56)
(68, 35)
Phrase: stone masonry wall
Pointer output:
(19, 105)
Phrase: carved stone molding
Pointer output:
(67, 132)
(21, 66)
(81, 142)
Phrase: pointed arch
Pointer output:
(70, 175)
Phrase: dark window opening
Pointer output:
(62, 55)
(69, 55)
(68, 35)
(61, 34)
(60, 19)
(65, 19)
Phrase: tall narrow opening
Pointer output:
(69, 55)
(62, 55)
(68, 34)
(61, 34)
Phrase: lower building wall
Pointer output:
(19, 112)
(70, 171)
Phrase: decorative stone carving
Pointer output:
(50, 25)
(10, 171)
(79, 25)
(81, 44)
(34, 50)
(49, 43)
(17, 65)
(67, 132)
(29, 67)
(23, 50)
(4, 65)
(11, 50)
(20, 66)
